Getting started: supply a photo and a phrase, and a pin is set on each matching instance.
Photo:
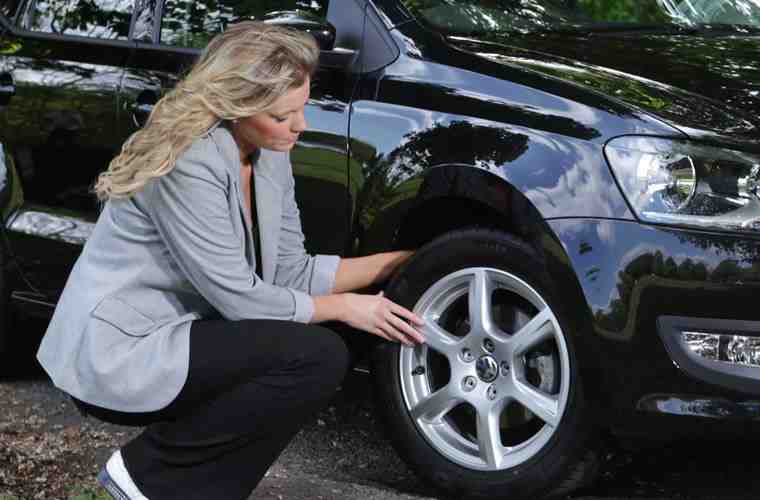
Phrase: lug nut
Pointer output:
(467, 355)
(488, 345)
(491, 393)
(469, 383)
(504, 368)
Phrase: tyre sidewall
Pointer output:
(542, 472)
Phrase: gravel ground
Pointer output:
(48, 451)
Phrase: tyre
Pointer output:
(492, 405)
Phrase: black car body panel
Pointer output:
(632, 274)
(483, 128)
(414, 134)
(692, 82)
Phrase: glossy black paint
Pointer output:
(630, 275)
(708, 80)
(487, 88)
(62, 125)
(412, 135)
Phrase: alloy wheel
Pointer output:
(489, 387)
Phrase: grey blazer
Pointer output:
(179, 250)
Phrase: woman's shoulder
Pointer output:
(211, 156)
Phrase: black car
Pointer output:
(581, 179)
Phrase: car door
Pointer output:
(168, 44)
(64, 62)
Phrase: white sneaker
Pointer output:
(116, 480)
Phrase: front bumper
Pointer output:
(635, 279)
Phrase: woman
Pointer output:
(167, 321)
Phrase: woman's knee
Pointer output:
(328, 353)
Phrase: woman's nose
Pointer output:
(299, 124)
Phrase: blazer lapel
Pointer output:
(268, 199)
(269, 210)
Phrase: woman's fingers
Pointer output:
(405, 328)
(397, 319)
(386, 319)
(394, 335)
(380, 333)
(406, 314)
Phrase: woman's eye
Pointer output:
(280, 119)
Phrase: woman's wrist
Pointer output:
(329, 307)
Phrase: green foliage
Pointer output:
(83, 17)
(8, 47)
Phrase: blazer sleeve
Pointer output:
(313, 274)
(191, 210)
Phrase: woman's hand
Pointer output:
(382, 317)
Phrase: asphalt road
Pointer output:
(47, 448)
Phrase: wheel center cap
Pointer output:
(487, 368)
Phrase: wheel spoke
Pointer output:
(535, 331)
(479, 302)
(437, 338)
(544, 406)
(434, 407)
(489, 435)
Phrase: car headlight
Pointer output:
(679, 182)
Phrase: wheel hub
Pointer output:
(487, 368)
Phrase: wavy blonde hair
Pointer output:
(241, 73)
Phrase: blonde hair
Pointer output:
(241, 73)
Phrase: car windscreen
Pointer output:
(468, 17)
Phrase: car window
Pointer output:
(192, 23)
(144, 21)
(91, 18)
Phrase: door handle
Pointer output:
(144, 104)
(140, 113)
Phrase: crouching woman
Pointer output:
(192, 308)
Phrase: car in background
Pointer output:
(581, 180)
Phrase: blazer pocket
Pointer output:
(123, 316)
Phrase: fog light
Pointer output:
(743, 350)
(706, 345)
(737, 349)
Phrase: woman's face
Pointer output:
(277, 128)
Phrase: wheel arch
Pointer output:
(448, 197)
(457, 196)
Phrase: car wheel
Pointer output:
(492, 404)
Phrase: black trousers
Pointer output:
(252, 385)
